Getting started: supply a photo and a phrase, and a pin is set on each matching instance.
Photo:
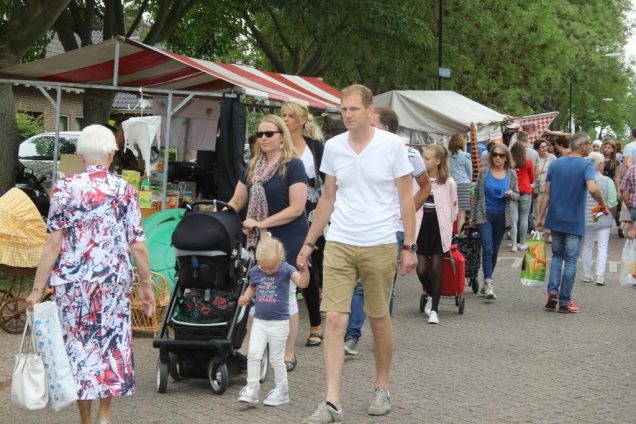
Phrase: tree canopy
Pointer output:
(518, 57)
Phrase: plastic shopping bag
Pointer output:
(628, 264)
(50, 343)
(534, 263)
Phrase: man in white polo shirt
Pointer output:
(364, 169)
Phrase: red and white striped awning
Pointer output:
(536, 125)
(149, 67)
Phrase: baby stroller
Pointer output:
(203, 324)
(468, 242)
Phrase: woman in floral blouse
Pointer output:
(94, 226)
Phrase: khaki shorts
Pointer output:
(343, 264)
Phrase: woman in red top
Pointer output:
(519, 209)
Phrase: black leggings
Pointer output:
(311, 293)
(432, 282)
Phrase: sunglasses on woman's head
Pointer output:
(268, 134)
(498, 155)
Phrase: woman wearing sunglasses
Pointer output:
(274, 189)
(490, 210)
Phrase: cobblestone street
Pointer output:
(506, 361)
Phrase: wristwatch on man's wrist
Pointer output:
(410, 247)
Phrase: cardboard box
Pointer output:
(70, 164)
(133, 177)
(145, 199)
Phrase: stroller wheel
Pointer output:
(173, 366)
(264, 365)
(162, 376)
(219, 377)
(474, 283)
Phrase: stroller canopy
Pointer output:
(205, 231)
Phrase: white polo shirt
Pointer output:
(364, 213)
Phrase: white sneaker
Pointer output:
(250, 393)
(600, 281)
(428, 307)
(514, 248)
(433, 318)
(522, 247)
(587, 279)
(510, 244)
(490, 294)
(278, 396)
(351, 347)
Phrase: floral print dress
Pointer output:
(100, 218)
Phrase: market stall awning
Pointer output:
(438, 112)
(140, 65)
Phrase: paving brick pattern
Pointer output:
(506, 361)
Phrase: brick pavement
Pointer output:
(502, 362)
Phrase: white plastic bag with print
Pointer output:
(47, 332)
(628, 264)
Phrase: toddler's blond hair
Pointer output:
(270, 249)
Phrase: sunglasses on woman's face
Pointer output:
(268, 134)
(498, 155)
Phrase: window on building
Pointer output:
(64, 123)
(79, 123)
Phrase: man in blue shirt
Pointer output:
(568, 181)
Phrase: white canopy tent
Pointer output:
(426, 115)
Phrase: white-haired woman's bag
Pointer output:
(28, 382)
(50, 343)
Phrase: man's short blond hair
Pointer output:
(363, 91)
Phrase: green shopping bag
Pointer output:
(534, 262)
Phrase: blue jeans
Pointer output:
(565, 253)
(357, 315)
(491, 232)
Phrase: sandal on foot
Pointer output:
(291, 365)
(314, 339)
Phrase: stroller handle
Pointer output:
(214, 202)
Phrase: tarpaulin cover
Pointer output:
(437, 112)
(145, 66)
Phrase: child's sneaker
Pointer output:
(250, 393)
(278, 396)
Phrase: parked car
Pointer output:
(37, 152)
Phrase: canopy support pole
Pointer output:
(116, 64)
(57, 106)
(169, 114)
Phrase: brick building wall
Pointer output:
(31, 100)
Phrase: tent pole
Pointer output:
(56, 143)
(116, 64)
(166, 153)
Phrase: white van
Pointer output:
(37, 152)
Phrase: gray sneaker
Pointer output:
(325, 414)
(600, 281)
(351, 347)
(381, 403)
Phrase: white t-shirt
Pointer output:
(417, 162)
(364, 213)
(308, 161)
(630, 150)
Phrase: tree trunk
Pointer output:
(97, 106)
(11, 139)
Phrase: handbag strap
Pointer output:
(27, 325)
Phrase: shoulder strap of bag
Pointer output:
(27, 325)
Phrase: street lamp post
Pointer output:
(440, 50)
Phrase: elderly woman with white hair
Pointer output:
(94, 225)
(597, 227)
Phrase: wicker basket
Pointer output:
(140, 322)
